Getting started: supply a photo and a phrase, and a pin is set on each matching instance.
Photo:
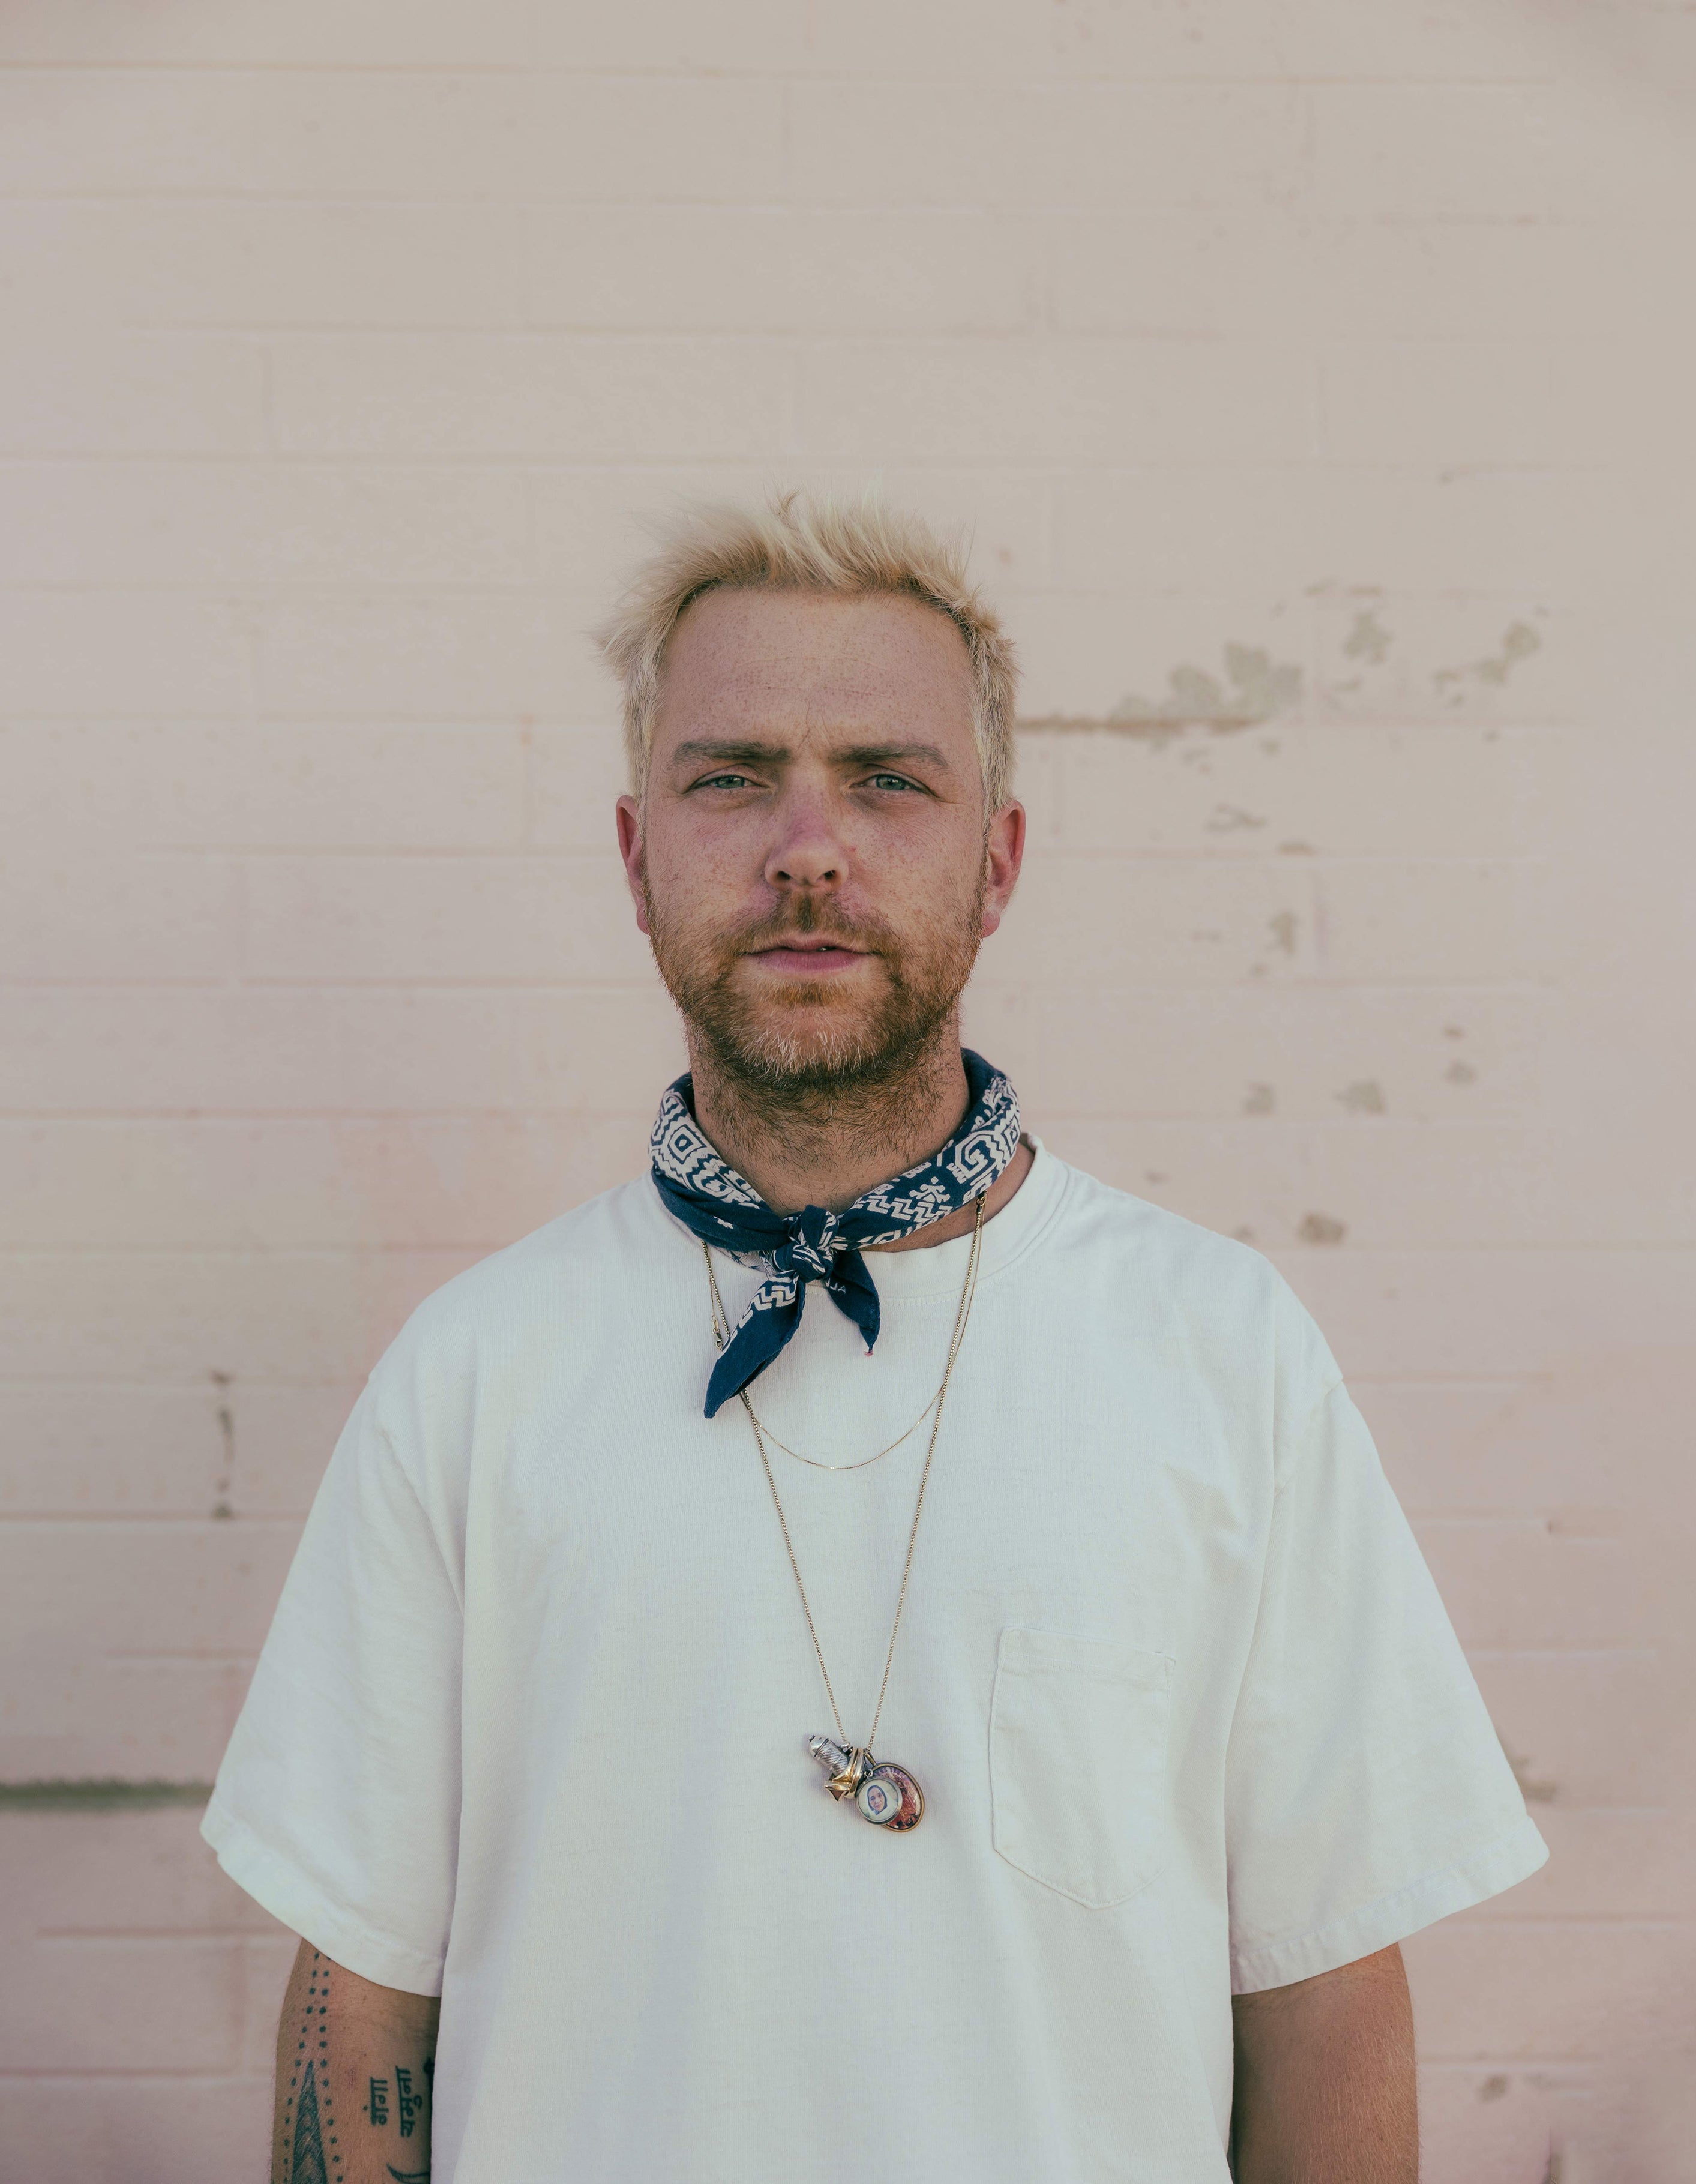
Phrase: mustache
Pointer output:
(808, 920)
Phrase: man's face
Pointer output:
(812, 861)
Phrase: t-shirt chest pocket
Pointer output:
(1078, 1730)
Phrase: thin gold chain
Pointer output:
(969, 1289)
(721, 1328)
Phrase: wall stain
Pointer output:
(1367, 639)
(1255, 687)
(1493, 2087)
(1230, 819)
(1322, 1229)
(221, 1507)
(1260, 1099)
(1518, 641)
(1364, 1098)
(1533, 1792)
(102, 1794)
(1282, 926)
(1461, 1073)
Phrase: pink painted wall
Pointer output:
(1316, 373)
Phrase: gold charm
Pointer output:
(883, 1793)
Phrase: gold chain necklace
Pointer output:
(885, 1794)
(721, 1332)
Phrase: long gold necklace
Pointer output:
(883, 1793)
(721, 1326)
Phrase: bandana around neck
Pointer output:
(722, 1208)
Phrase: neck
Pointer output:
(823, 1144)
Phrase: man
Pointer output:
(865, 1652)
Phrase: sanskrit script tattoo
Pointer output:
(311, 2149)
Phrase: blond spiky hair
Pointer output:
(847, 549)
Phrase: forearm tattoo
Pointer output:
(312, 2147)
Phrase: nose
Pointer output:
(809, 853)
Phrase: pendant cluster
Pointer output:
(883, 1793)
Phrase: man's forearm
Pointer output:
(355, 2067)
(1325, 2080)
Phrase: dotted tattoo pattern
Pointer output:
(312, 2147)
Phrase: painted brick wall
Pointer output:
(1315, 373)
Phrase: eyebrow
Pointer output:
(753, 753)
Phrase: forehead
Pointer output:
(804, 663)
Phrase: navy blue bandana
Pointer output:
(722, 1208)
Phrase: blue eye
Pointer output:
(890, 781)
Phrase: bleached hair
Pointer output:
(843, 549)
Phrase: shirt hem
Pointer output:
(282, 1890)
(1496, 1865)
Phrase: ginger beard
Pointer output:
(800, 1036)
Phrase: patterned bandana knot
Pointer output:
(812, 1248)
(722, 1208)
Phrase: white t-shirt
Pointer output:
(530, 1727)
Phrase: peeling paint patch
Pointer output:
(1254, 688)
(103, 1794)
(1259, 1100)
(1518, 641)
(1282, 926)
(1367, 639)
(1365, 1098)
(1493, 2087)
(1461, 1073)
(1230, 819)
(1322, 1229)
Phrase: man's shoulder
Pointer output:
(583, 1260)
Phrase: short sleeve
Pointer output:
(337, 1803)
(1367, 1794)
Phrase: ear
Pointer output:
(633, 857)
(1003, 856)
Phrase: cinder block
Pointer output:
(1459, 402)
(1479, 2125)
(161, 2130)
(308, 1183)
(91, 2004)
(131, 1593)
(134, 394)
(1523, 1581)
(133, 1870)
(1291, 1051)
(1491, 1313)
(1127, 146)
(1176, 272)
(1118, 920)
(363, 1051)
(1460, 919)
(738, 269)
(221, 523)
(945, 41)
(1498, 1990)
(1104, 402)
(530, 395)
(688, 139)
(238, 262)
(391, 132)
(1372, 143)
(461, 655)
(1585, 1729)
(87, 917)
(273, 785)
(319, 34)
(138, 1315)
(1603, 1864)
(575, 777)
(1500, 531)
(759, 36)
(1285, 788)
(109, 1451)
(1219, 40)
(123, 652)
(443, 920)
